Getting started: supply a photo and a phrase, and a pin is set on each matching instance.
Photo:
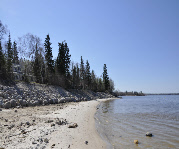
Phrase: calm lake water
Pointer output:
(121, 121)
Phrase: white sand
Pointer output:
(59, 136)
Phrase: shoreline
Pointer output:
(47, 126)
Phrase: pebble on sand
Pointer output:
(149, 134)
(136, 141)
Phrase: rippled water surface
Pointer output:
(121, 121)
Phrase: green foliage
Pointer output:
(9, 57)
(93, 81)
(106, 78)
(63, 59)
(2, 63)
(45, 70)
(87, 75)
(48, 55)
(82, 73)
(15, 53)
(39, 66)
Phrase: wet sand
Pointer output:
(48, 127)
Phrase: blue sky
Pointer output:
(137, 39)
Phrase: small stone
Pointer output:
(46, 140)
(15, 111)
(86, 142)
(11, 126)
(52, 124)
(73, 125)
(18, 107)
(23, 132)
(53, 145)
(49, 121)
(40, 140)
(136, 141)
(149, 134)
(27, 123)
(34, 142)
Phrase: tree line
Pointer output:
(36, 60)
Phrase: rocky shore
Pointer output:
(64, 125)
(38, 116)
(30, 95)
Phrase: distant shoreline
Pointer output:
(162, 94)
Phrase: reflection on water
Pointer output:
(121, 121)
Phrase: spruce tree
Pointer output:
(48, 55)
(2, 63)
(77, 76)
(9, 57)
(15, 53)
(74, 76)
(106, 78)
(100, 85)
(87, 75)
(63, 59)
(37, 66)
(93, 81)
(82, 73)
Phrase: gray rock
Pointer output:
(6, 95)
(23, 103)
(11, 126)
(36, 103)
(149, 134)
(13, 103)
(40, 101)
(50, 101)
(45, 102)
(27, 123)
(52, 125)
(7, 105)
(46, 140)
(74, 125)
(34, 142)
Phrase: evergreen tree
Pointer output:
(74, 76)
(2, 63)
(82, 73)
(100, 86)
(63, 59)
(93, 81)
(106, 78)
(87, 75)
(77, 76)
(9, 57)
(15, 53)
(37, 66)
(67, 59)
(48, 55)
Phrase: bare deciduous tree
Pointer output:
(27, 45)
(3, 30)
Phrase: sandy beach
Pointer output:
(48, 127)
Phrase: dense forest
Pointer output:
(38, 65)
